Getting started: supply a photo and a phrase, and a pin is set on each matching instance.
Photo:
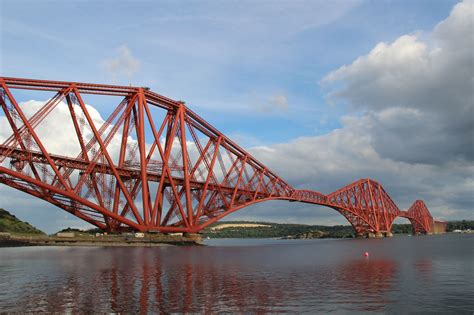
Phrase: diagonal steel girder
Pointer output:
(173, 171)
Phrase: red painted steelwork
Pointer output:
(154, 165)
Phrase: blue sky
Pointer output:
(260, 71)
(221, 58)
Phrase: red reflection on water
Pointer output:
(147, 280)
(424, 269)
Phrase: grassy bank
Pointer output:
(11, 224)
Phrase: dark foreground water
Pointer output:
(402, 274)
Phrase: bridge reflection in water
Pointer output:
(401, 275)
(205, 280)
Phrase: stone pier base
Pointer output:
(378, 234)
(388, 234)
(193, 237)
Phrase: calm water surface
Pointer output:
(402, 274)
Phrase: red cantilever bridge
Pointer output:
(154, 164)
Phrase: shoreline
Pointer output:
(149, 240)
(11, 240)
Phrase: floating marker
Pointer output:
(366, 254)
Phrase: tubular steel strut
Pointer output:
(155, 165)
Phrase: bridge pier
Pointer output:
(376, 234)
(195, 237)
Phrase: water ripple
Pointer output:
(426, 274)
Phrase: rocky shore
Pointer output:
(308, 235)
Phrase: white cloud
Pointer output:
(122, 64)
(58, 136)
(280, 102)
(415, 134)
(328, 162)
(56, 131)
(418, 94)
(277, 103)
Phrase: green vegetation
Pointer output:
(460, 225)
(11, 224)
(275, 230)
(402, 229)
(74, 230)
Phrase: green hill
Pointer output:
(11, 224)
(227, 229)
(243, 229)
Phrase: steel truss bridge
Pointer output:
(154, 165)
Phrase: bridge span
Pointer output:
(154, 165)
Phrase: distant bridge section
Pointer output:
(154, 165)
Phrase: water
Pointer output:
(402, 274)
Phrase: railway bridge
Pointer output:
(154, 165)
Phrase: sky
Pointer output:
(321, 92)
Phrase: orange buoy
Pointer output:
(366, 254)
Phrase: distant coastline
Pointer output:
(14, 232)
(248, 229)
